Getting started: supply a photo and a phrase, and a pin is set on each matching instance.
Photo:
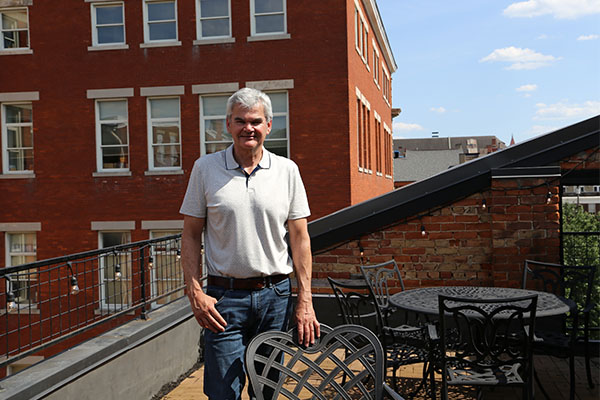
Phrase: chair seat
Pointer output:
(551, 340)
(504, 375)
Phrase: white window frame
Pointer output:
(5, 126)
(151, 144)
(27, 276)
(386, 84)
(199, 20)
(155, 254)
(2, 30)
(204, 118)
(99, 146)
(126, 271)
(253, 16)
(361, 34)
(147, 22)
(376, 62)
(95, 26)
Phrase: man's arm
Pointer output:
(203, 305)
(306, 320)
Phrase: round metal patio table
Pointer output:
(425, 300)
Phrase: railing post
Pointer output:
(143, 281)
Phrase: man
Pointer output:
(243, 197)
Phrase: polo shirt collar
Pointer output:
(231, 163)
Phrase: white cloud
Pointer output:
(588, 37)
(402, 126)
(564, 110)
(527, 88)
(543, 36)
(561, 9)
(439, 110)
(520, 58)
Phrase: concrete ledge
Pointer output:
(132, 361)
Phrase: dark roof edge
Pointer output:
(455, 183)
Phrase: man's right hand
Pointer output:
(203, 307)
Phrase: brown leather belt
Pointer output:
(246, 283)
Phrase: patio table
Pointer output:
(425, 300)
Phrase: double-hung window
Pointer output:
(268, 17)
(361, 34)
(21, 249)
(160, 21)
(164, 133)
(17, 138)
(112, 138)
(108, 24)
(166, 273)
(214, 19)
(14, 28)
(115, 271)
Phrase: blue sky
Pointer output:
(493, 67)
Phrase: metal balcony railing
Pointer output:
(44, 303)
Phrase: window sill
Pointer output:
(108, 47)
(200, 42)
(276, 36)
(379, 174)
(21, 311)
(160, 44)
(26, 175)
(15, 52)
(169, 172)
(110, 173)
(111, 310)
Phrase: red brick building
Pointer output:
(105, 105)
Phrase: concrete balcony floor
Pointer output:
(553, 372)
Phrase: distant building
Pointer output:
(417, 159)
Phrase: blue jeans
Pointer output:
(247, 313)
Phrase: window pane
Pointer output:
(166, 156)
(214, 105)
(269, 23)
(278, 147)
(14, 20)
(17, 113)
(265, 6)
(16, 39)
(109, 15)
(164, 108)
(162, 31)
(214, 147)
(215, 27)
(111, 110)
(110, 239)
(114, 134)
(115, 157)
(161, 11)
(215, 130)
(111, 34)
(278, 130)
(214, 8)
(278, 102)
(165, 133)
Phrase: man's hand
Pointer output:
(306, 322)
(204, 309)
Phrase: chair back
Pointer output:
(346, 362)
(356, 305)
(380, 277)
(482, 334)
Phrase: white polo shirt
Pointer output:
(245, 215)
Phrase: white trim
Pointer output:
(200, 42)
(108, 47)
(214, 88)
(174, 224)
(272, 36)
(19, 96)
(162, 91)
(253, 32)
(109, 93)
(94, 28)
(281, 84)
(15, 3)
(203, 40)
(113, 225)
(24, 175)
(152, 168)
(110, 173)
(166, 42)
(20, 226)
(15, 52)
(166, 172)
(4, 140)
(99, 147)
(169, 43)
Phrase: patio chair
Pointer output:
(487, 342)
(346, 362)
(571, 282)
(403, 345)
(380, 277)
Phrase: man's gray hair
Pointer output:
(248, 98)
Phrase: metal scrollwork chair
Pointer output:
(346, 362)
(403, 345)
(487, 342)
(574, 283)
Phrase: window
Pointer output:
(361, 34)
(160, 21)
(166, 268)
(112, 149)
(378, 145)
(164, 134)
(268, 17)
(375, 65)
(386, 84)
(14, 26)
(214, 132)
(115, 271)
(21, 248)
(213, 18)
(17, 138)
(108, 24)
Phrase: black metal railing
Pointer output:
(44, 303)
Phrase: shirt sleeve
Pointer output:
(194, 201)
(298, 200)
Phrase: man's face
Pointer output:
(248, 128)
